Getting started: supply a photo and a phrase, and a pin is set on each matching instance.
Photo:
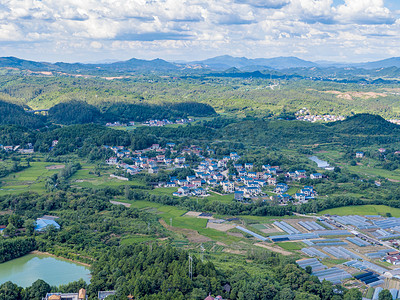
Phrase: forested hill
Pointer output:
(365, 124)
(362, 129)
(86, 138)
(79, 112)
(289, 66)
(12, 114)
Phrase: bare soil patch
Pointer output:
(197, 215)
(393, 180)
(120, 203)
(351, 95)
(237, 234)
(55, 167)
(274, 248)
(220, 227)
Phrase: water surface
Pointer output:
(321, 163)
(29, 268)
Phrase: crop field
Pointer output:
(363, 210)
(374, 172)
(175, 216)
(136, 239)
(291, 245)
(30, 179)
(224, 198)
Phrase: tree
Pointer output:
(306, 296)
(30, 227)
(16, 220)
(10, 230)
(37, 290)
(286, 294)
(10, 291)
(353, 294)
(385, 295)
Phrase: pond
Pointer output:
(321, 163)
(55, 271)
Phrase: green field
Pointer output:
(363, 210)
(136, 239)
(175, 216)
(291, 245)
(30, 179)
(375, 172)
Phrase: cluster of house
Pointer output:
(27, 150)
(305, 115)
(119, 124)
(80, 295)
(302, 174)
(394, 121)
(360, 154)
(164, 122)
(392, 257)
(155, 122)
(320, 118)
(245, 183)
(140, 160)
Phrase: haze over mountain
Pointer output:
(226, 61)
(219, 63)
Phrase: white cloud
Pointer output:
(365, 12)
(172, 28)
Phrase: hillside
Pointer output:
(365, 124)
(362, 129)
(12, 114)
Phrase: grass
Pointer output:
(136, 239)
(363, 210)
(224, 198)
(30, 179)
(259, 226)
(167, 213)
(333, 262)
(370, 293)
(374, 172)
(290, 246)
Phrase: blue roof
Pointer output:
(41, 224)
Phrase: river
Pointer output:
(55, 271)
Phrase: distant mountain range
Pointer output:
(226, 62)
(220, 63)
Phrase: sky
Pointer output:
(187, 30)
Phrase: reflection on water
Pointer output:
(55, 271)
(321, 163)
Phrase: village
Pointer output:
(222, 176)
(151, 123)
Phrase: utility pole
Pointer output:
(190, 267)
(202, 253)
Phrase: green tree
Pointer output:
(385, 295)
(30, 227)
(306, 296)
(37, 290)
(353, 294)
(10, 230)
(16, 220)
(10, 291)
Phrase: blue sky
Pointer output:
(95, 30)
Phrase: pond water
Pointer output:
(29, 268)
(321, 163)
